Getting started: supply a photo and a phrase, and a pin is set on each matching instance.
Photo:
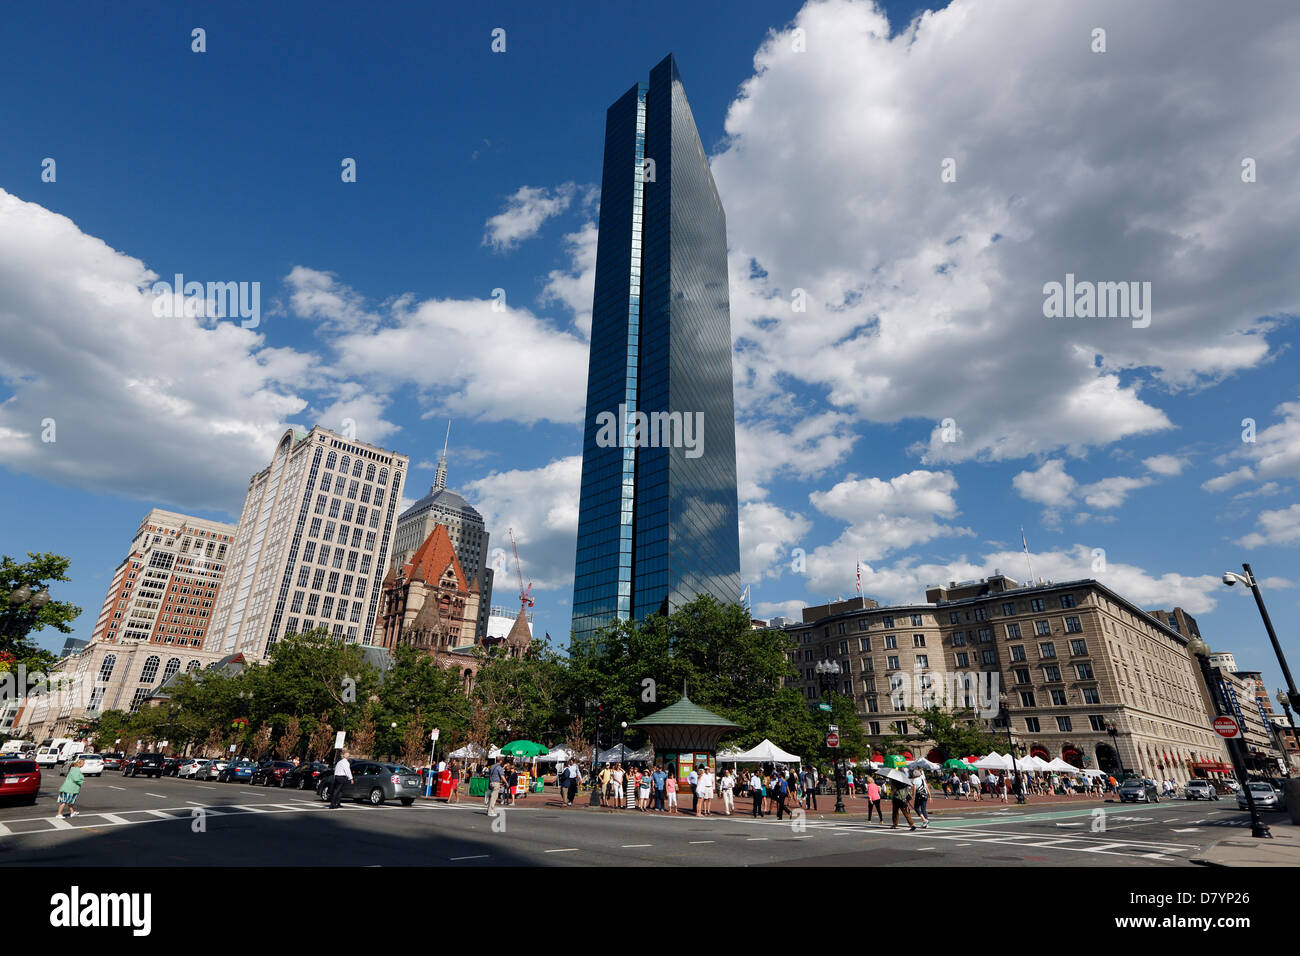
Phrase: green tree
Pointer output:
(18, 623)
(524, 694)
(955, 734)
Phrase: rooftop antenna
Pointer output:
(440, 477)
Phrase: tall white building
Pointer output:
(312, 545)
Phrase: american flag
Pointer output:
(859, 576)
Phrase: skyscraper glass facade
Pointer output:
(657, 518)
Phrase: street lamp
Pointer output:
(1004, 714)
(1230, 578)
(24, 605)
(828, 674)
(1114, 745)
(393, 728)
(1236, 747)
(622, 750)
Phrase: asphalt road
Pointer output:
(170, 822)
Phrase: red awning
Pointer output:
(1213, 766)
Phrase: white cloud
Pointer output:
(1224, 482)
(925, 298)
(812, 445)
(318, 295)
(1049, 485)
(1275, 452)
(541, 505)
(1165, 464)
(525, 212)
(127, 389)
(1112, 492)
(767, 533)
(1280, 527)
(575, 287)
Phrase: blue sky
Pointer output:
(479, 171)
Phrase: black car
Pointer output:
(307, 775)
(171, 767)
(271, 773)
(143, 765)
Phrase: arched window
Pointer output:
(370, 472)
(106, 668)
(383, 476)
(345, 464)
(192, 666)
(170, 670)
(330, 461)
(150, 671)
(356, 468)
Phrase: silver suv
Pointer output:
(1200, 790)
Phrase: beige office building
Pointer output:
(313, 544)
(1074, 659)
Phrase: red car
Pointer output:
(20, 779)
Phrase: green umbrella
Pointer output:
(893, 760)
(524, 748)
(956, 764)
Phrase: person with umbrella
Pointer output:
(900, 794)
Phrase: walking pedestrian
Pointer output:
(810, 790)
(572, 775)
(756, 791)
(496, 779)
(779, 794)
(643, 789)
(922, 799)
(342, 773)
(70, 790)
(704, 790)
(728, 787)
(873, 800)
(900, 794)
(848, 781)
(455, 782)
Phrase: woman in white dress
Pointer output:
(704, 788)
(728, 786)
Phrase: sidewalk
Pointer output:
(1242, 849)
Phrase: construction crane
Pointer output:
(525, 594)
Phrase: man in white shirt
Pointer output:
(342, 774)
(756, 791)
(693, 779)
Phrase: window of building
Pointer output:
(1058, 697)
(892, 663)
(916, 620)
(1097, 722)
(1078, 647)
(1031, 725)
(864, 643)
(902, 727)
(954, 617)
(1063, 723)
(868, 663)
(1026, 698)
(312, 603)
(1052, 673)
(887, 622)
(989, 657)
(1018, 652)
(1084, 670)
(1013, 631)
(1047, 649)
(1036, 605)
(981, 614)
(1022, 675)
(1090, 696)
(918, 640)
(1067, 600)
(963, 659)
(1073, 626)
(1008, 609)
(922, 660)
(106, 667)
(1043, 628)
(891, 642)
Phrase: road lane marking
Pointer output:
(3, 829)
(111, 787)
(480, 856)
(161, 814)
(113, 818)
(634, 846)
(158, 795)
(756, 840)
(694, 842)
(571, 849)
(59, 823)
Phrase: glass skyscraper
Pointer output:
(657, 521)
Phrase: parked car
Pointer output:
(1200, 790)
(237, 771)
(170, 766)
(1266, 796)
(306, 776)
(19, 780)
(1139, 790)
(113, 760)
(213, 769)
(271, 773)
(143, 765)
(92, 765)
(194, 769)
(47, 757)
(375, 783)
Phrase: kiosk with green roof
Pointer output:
(685, 736)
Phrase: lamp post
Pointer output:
(1004, 714)
(24, 606)
(1230, 578)
(1236, 747)
(622, 750)
(1114, 744)
(392, 727)
(828, 673)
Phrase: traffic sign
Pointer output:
(1226, 727)
(338, 740)
(434, 735)
(832, 740)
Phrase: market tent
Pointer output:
(923, 764)
(473, 751)
(956, 764)
(1094, 773)
(893, 760)
(994, 761)
(1032, 764)
(1056, 763)
(524, 748)
(765, 752)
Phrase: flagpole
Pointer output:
(1028, 564)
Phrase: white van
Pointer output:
(16, 747)
(47, 757)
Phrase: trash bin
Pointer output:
(478, 786)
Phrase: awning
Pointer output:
(1212, 766)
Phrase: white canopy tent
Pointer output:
(765, 752)
(994, 761)
(1059, 765)
(473, 751)
(1091, 772)
(1032, 764)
